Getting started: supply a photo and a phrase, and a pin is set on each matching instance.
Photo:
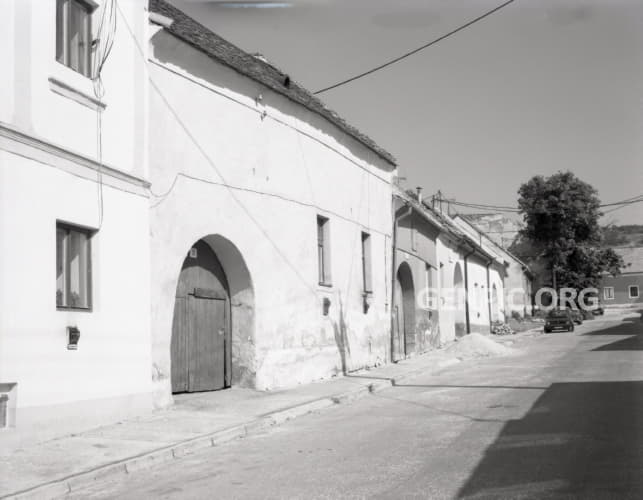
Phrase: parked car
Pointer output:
(598, 311)
(577, 316)
(559, 319)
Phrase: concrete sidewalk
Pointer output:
(53, 468)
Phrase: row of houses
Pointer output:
(177, 215)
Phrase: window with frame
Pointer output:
(633, 291)
(73, 267)
(608, 292)
(323, 251)
(366, 263)
(74, 34)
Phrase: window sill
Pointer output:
(72, 92)
(74, 309)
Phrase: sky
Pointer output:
(538, 87)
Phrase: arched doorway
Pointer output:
(459, 301)
(201, 348)
(404, 311)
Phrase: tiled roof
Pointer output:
(632, 256)
(197, 35)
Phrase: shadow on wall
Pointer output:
(340, 329)
(579, 440)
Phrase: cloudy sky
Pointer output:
(540, 86)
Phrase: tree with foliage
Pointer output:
(561, 231)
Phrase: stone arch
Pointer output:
(404, 341)
(238, 292)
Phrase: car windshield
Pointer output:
(558, 314)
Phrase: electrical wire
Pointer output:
(501, 208)
(414, 51)
(102, 47)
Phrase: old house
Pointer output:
(517, 277)
(415, 322)
(448, 280)
(196, 219)
(74, 216)
(483, 285)
(270, 219)
(626, 289)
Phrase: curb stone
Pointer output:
(60, 488)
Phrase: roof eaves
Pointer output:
(202, 39)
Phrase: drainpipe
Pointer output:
(489, 295)
(466, 288)
(396, 220)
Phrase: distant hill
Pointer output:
(623, 236)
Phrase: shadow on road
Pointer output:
(630, 326)
(579, 440)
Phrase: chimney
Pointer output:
(419, 191)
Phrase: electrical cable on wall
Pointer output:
(102, 47)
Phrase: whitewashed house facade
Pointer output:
(270, 216)
(74, 218)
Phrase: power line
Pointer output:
(501, 208)
(414, 51)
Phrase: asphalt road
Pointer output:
(561, 419)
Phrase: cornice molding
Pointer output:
(30, 146)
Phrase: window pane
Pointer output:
(78, 260)
(320, 263)
(84, 42)
(74, 37)
(366, 262)
(60, 31)
(60, 267)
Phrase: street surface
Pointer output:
(563, 418)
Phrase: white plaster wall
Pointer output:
(516, 290)
(282, 169)
(113, 357)
(28, 59)
(478, 299)
(448, 256)
(496, 278)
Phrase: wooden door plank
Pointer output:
(179, 346)
(207, 344)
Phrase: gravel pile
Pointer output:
(476, 345)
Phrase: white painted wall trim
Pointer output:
(35, 148)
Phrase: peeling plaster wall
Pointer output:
(416, 245)
(256, 173)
